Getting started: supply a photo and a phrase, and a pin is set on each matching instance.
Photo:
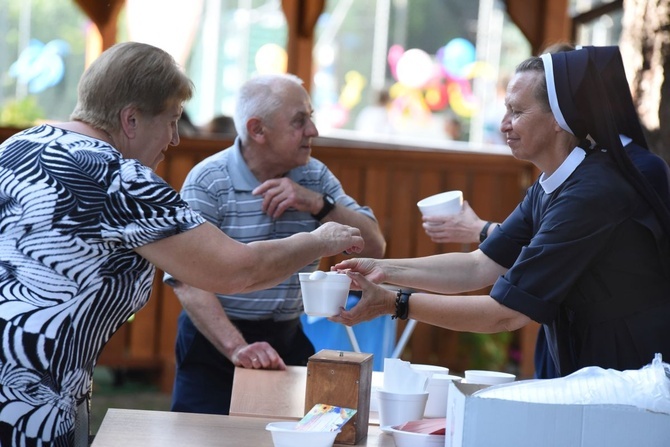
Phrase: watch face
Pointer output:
(328, 205)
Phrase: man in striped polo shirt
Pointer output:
(265, 186)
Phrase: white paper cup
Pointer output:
(481, 377)
(438, 392)
(323, 297)
(398, 408)
(443, 204)
(429, 370)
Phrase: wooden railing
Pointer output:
(390, 178)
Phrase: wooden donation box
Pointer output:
(343, 379)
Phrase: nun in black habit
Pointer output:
(609, 64)
(614, 314)
(585, 253)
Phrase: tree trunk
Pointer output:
(645, 46)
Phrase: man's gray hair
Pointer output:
(260, 97)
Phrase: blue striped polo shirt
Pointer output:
(220, 187)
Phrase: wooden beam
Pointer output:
(105, 16)
(543, 22)
(301, 16)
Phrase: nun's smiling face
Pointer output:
(528, 124)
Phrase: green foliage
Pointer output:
(486, 351)
(21, 112)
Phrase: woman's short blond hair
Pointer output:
(129, 74)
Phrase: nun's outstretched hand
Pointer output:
(374, 302)
(371, 268)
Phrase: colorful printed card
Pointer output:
(324, 417)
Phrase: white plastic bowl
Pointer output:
(443, 204)
(481, 377)
(323, 297)
(284, 434)
(411, 439)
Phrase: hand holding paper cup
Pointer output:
(443, 204)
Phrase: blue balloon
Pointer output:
(456, 55)
(40, 66)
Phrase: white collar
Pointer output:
(625, 140)
(549, 184)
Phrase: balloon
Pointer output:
(460, 100)
(456, 56)
(271, 58)
(351, 92)
(40, 66)
(394, 54)
(335, 116)
(436, 96)
(415, 68)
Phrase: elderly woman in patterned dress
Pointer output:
(84, 221)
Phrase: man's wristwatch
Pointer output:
(328, 205)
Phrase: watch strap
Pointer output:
(328, 205)
(485, 232)
(401, 305)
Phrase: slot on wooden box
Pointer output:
(343, 379)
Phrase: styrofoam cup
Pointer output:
(398, 408)
(438, 392)
(324, 295)
(429, 370)
(443, 204)
(481, 377)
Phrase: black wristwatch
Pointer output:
(402, 305)
(485, 232)
(328, 205)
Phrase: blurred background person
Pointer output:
(219, 126)
(375, 118)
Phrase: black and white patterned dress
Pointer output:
(71, 212)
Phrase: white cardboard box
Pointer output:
(479, 422)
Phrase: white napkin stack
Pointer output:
(400, 377)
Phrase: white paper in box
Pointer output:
(477, 422)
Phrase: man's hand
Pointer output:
(281, 194)
(259, 355)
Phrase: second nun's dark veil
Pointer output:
(579, 100)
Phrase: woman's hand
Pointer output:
(371, 268)
(339, 238)
(374, 302)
